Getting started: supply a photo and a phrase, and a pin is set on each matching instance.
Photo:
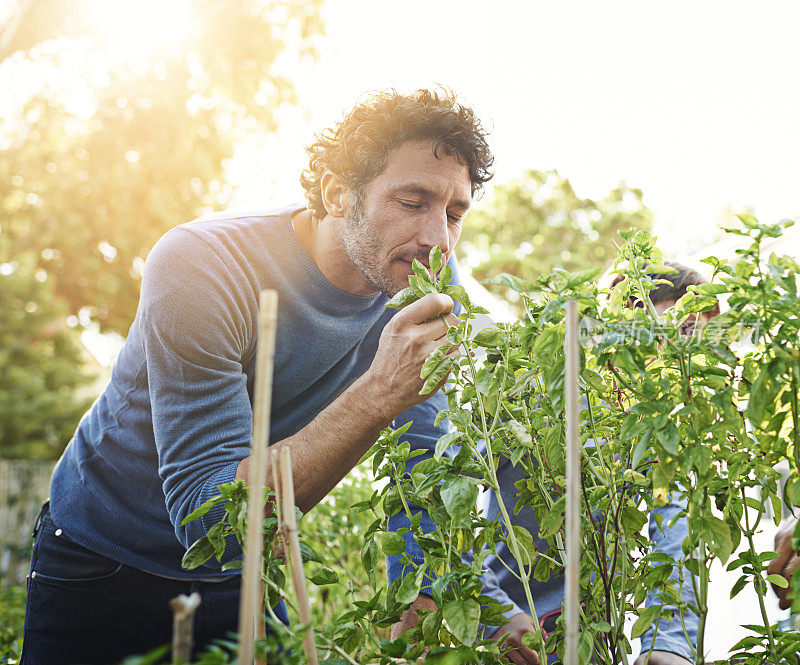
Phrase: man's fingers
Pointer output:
(521, 655)
(427, 307)
(530, 657)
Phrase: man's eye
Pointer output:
(411, 206)
(454, 219)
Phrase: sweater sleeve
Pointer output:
(194, 336)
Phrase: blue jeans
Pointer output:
(85, 609)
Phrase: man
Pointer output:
(392, 180)
(669, 645)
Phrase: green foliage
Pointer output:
(93, 174)
(40, 360)
(532, 225)
(12, 618)
(101, 159)
(665, 413)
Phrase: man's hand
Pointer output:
(410, 616)
(662, 658)
(511, 635)
(786, 562)
(405, 343)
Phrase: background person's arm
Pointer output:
(786, 562)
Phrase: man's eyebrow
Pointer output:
(421, 190)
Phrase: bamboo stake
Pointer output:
(292, 546)
(183, 609)
(250, 603)
(573, 487)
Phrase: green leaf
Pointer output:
(435, 259)
(203, 509)
(521, 433)
(632, 520)
(778, 580)
(645, 620)
(553, 519)
(324, 576)
(445, 277)
(433, 360)
(410, 586)
(526, 544)
(444, 443)
(709, 289)
(421, 285)
(511, 281)
(421, 271)
(403, 298)
(460, 496)
(718, 537)
(200, 552)
(641, 448)
(462, 617)
(369, 557)
(532, 640)
(741, 583)
(669, 437)
(437, 375)
(393, 543)
(585, 648)
(489, 337)
(659, 269)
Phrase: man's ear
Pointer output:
(335, 195)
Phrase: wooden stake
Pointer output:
(183, 609)
(573, 522)
(251, 599)
(292, 546)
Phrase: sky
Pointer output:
(695, 103)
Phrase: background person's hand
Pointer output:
(786, 562)
(511, 635)
(662, 658)
(410, 616)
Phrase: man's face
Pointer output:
(416, 203)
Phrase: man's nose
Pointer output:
(436, 231)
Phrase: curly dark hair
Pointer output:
(356, 149)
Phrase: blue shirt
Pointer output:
(175, 419)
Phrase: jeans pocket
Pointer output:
(57, 559)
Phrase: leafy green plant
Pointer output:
(666, 414)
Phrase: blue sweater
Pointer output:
(175, 419)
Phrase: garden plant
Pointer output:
(703, 415)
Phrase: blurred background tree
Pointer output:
(118, 123)
(536, 223)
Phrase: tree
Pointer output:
(40, 365)
(536, 223)
(93, 173)
(101, 155)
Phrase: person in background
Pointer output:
(669, 647)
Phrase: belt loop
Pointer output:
(45, 508)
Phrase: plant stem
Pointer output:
(702, 604)
(758, 581)
(515, 548)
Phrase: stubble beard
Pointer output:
(363, 248)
